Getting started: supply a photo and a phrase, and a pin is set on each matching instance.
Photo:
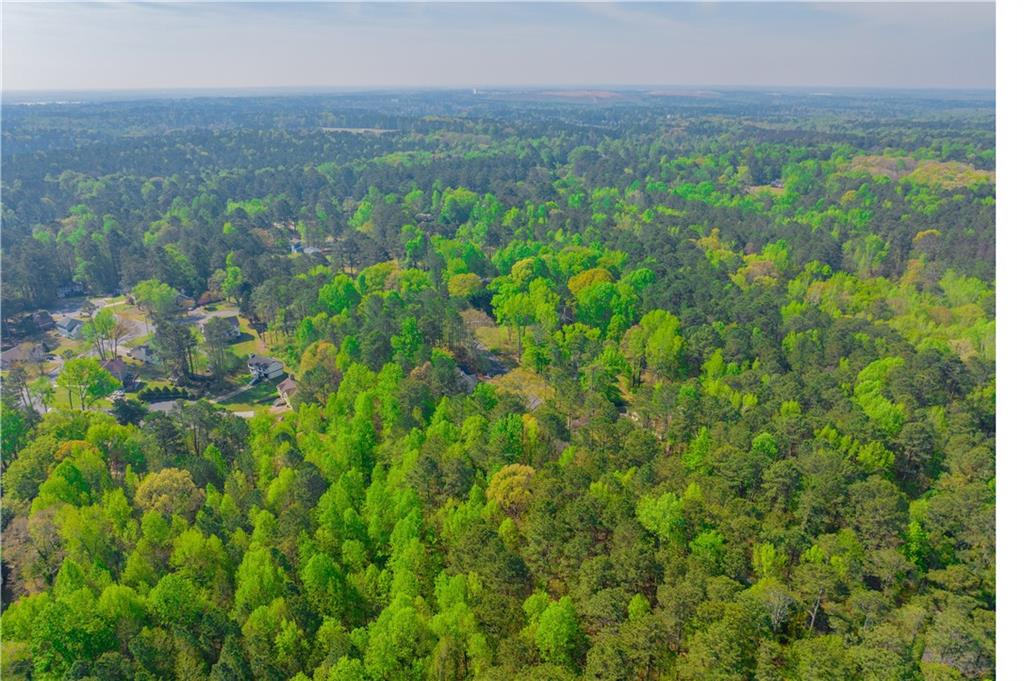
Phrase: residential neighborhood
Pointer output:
(247, 380)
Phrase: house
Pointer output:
(119, 370)
(286, 389)
(142, 353)
(32, 353)
(264, 367)
(183, 301)
(69, 327)
(236, 328)
(43, 320)
(208, 298)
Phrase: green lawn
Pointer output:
(77, 347)
(60, 401)
(136, 342)
(248, 346)
(250, 343)
(497, 340)
(151, 374)
(264, 391)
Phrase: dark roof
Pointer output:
(117, 367)
(42, 319)
(257, 360)
(24, 353)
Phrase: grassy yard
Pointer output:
(497, 340)
(248, 410)
(250, 342)
(67, 348)
(490, 335)
(136, 342)
(157, 382)
(151, 374)
(77, 347)
(60, 401)
(262, 392)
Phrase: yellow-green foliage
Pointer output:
(949, 175)
(717, 251)
(957, 315)
(868, 393)
(592, 276)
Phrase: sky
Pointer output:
(65, 46)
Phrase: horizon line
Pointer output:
(572, 87)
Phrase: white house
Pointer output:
(264, 367)
(142, 353)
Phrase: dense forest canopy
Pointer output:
(621, 385)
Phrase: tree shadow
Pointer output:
(243, 338)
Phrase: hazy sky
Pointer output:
(122, 45)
